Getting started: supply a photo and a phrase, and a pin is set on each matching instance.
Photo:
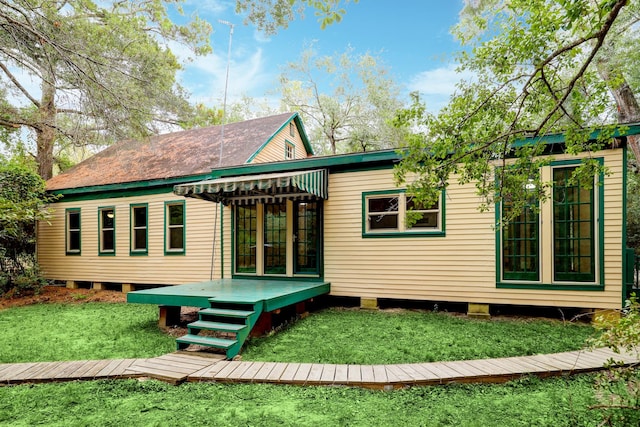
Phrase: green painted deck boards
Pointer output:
(274, 293)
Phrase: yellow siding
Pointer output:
(274, 151)
(460, 267)
(154, 268)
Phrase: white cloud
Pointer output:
(260, 36)
(215, 7)
(205, 77)
(437, 85)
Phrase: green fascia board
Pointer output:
(171, 300)
(296, 297)
(303, 135)
(126, 189)
(341, 161)
(559, 138)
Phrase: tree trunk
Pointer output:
(46, 133)
(628, 109)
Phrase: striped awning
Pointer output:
(266, 188)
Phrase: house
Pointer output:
(119, 222)
(158, 213)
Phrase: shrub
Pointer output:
(618, 388)
(23, 202)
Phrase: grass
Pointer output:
(58, 332)
(376, 337)
(530, 402)
(100, 330)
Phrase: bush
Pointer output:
(23, 202)
(618, 388)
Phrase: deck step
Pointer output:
(216, 326)
(206, 341)
(225, 312)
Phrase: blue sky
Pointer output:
(412, 37)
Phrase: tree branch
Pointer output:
(22, 89)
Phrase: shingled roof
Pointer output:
(184, 153)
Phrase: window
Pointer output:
(246, 238)
(72, 222)
(573, 229)
(520, 244)
(425, 217)
(558, 244)
(289, 150)
(397, 214)
(107, 231)
(139, 229)
(175, 231)
(275, 238)
(292, 129)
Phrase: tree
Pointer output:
(633, 205)
(270, 15)
(540, 67)
(22, 201)
(103, 70)
(357, 115)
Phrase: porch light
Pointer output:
(530, 185)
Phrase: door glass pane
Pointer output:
(573, 229)
(520, 238)
(275, 238)
(306, 237)
(246, 234)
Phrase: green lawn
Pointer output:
(350, 336)
(100, 330)
(57, 332)
(554, 402)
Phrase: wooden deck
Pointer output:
(189, 366)
(274, 293)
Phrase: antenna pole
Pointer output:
(226, 85)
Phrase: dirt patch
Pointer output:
(59, 294)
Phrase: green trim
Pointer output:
(560, 285)
(345, 162)
(559, 138)
(131, 186)
(314, 271)
(551, 287)
(599, 220)
(300, 276)
(233, 239)
(625, 259)
(279, 277)
(288, 144)
(166, 227)
(303, 136)
(132, 251)
(221, 240)
(66, 231)
(402, 234)
(337, 163)
(532, 276)
(116, 194)
(100, 251)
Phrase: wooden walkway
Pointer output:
(188, 366)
